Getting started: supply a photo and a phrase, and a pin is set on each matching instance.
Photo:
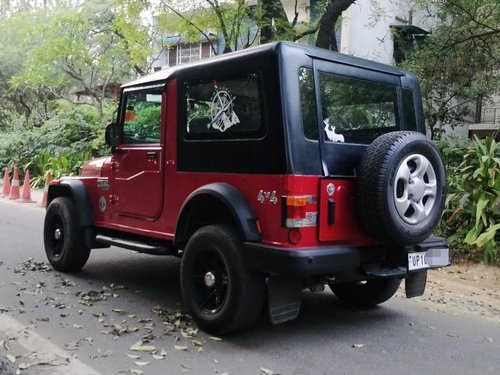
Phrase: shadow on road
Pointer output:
(157, 279)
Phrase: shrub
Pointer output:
(71, 135)
(73, 128)
(471, 219)
(58, 166)
(18, 141)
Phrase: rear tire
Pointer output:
(221, 292)
(63, 236)
(368, 293)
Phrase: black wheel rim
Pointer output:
(210, 282)
(55, 236)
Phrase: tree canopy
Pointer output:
(82, 49)
(459, 64)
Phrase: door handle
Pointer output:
(152, 155)
(331, 211)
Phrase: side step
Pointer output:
(140, 247)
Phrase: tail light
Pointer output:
(299, 211)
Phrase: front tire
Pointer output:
(367, 293)
(221, 292)
(64, 237)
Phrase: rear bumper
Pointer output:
(331, 260)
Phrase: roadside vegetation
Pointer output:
(471, 220)
(60, 62)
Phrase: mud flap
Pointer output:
(284, 298)
(415, 283)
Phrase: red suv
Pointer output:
(268, 171)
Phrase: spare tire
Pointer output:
(401, 188)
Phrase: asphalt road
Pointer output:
(87, 322)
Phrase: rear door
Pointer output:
(354, 107)
(137, 178)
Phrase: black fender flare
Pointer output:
(239, 207)
(77, 191)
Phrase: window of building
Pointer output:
(185, 53)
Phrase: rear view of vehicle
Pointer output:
(379, 184)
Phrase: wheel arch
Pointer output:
(230, 206)
(76, 190)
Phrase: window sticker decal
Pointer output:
(330, 132)
(222, 115)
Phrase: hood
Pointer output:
(93, 167)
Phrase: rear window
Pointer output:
(354, 110)
(228, 107)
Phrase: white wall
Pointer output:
(366, 27)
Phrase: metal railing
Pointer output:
(490, 115)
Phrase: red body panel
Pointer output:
(137, 182)
(345, 226)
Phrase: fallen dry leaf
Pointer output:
(120, 311)
(267, 371)
(140, 347)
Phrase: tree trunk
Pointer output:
(100, 108)
(274, 21)
(326, 33)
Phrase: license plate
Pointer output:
(416, 261)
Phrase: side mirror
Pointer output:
(111, 135)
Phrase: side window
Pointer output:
(355, 110)
(142, 116)
(229, 107)
(409, 109)
(308, 104)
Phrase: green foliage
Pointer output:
(67, 164)
(73, 134)
(147, 120)
(458, 63)
(82, 49)
(472, 213)
(73, 128)
(190, 19)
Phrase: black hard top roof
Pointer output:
(267, 49)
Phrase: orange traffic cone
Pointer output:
(6, 183)
(26, 193)
(14, 187)
(45, 195)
